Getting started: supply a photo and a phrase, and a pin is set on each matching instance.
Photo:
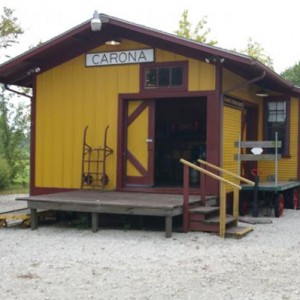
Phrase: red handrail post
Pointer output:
(203, 187)
(186, 192)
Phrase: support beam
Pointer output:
(95, 222)
(33, 218)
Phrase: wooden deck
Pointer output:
(101, 202)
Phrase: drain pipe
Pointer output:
(17, 92)
(244, 84)
(238, 86)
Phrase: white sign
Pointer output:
(119, 57)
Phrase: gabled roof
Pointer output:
(81, 39)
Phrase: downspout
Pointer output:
(244, 84)
(17, 92)
(238, 86)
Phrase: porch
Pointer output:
(110, 202)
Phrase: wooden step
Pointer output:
(202, 213)
(238, 231)
(210, 224)
(204, 210)
(216, 220)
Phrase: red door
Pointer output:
(139, 143)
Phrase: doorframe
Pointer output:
(212, 102)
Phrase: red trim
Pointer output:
(136, 112)
(47, 190)
(32, 139)
(214, 130)
(298, 169)
(122, 123)
(122, 112)
(136, 163)
(286, 152)
(183, 87)
(146, 177)
(160, 95)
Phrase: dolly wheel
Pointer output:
(3, 223)
(26, 223)
(279, 205)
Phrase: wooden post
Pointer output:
(203, 187)
(185, 198)
(236, 200)
(95, 222)
(33, 218)
(168, 226)
(222, 210)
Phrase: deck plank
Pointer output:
(95, 202)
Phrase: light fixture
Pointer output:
(113, 42)
(214, 60)
(262, 93)
(96, 22)
(34, 70)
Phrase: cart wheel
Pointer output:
(279, 205)
(3, 223)
(244, 205)
(26, 223)
(295, 199)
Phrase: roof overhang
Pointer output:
(81, 39)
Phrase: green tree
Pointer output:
(292, 74)
(199, 33)
(255, 50)
(9, 29)
(14, 131)
(14, 118)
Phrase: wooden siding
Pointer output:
(201, 76)
(231, 80)
(287, 166)
(69, 97)
(231, 133)
(138, 128)
(72, 96)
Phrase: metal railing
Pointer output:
(222, 192)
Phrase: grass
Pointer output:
(16, 188)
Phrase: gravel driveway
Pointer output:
(59, 262)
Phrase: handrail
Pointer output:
(222, 197)
(183, 161)
(226, 171)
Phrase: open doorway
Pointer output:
(180, 132)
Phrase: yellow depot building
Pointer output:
(118, 107)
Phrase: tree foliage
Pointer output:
(199, 33)
(14, 132)
(255, 50)
(292, 74)
(14, 118)
(9, 29)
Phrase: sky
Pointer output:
(273, 24)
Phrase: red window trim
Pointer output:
(182, 88)
(286, 152)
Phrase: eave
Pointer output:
(81, 39)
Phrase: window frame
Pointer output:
(286, 151)
(169, 65)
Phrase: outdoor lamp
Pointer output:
(96, 22)
(113, 42)
(262, 93)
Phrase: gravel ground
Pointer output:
(58, 262)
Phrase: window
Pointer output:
(164, 76)
(276, 120)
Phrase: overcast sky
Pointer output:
(273, 24)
